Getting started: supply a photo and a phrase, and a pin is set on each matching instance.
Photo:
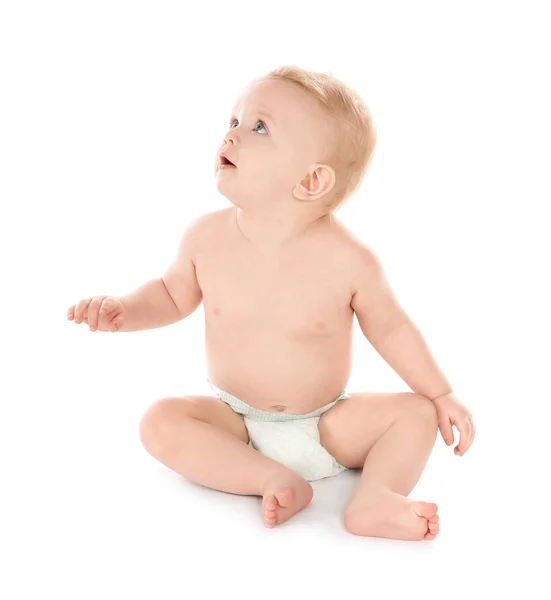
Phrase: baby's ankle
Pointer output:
(282, 477)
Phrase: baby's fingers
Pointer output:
(110, 314)
(445, 426)
(110, 307)
(464, 426)
(472, 431)
(93, 310)
(116, 323)
(71, 313)
(80, 308)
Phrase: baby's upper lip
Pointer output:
(223, 154)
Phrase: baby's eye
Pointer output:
(263, 126)
(235, 121)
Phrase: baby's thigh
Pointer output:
(350, 428)
(208, 409)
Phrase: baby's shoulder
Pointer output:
(350, 251)
(207, 225)
(346, 240)
(207, 220)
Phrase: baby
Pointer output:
(281, 279)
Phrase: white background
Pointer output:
(110, 115)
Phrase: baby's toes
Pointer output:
(270, 511)
(271, 503)
(434, 528)
(270, 521)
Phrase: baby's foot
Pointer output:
(390, 515)
(284, 495)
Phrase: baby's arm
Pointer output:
(391, 332)
(167, 299)
(157, 303)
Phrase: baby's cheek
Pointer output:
(264, 176)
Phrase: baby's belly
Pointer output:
(276, 374)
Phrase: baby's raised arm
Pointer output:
(157, 303)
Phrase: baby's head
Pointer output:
(299, 139)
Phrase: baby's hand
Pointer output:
(451, 411)
(104, 313)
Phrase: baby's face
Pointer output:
(276, 132)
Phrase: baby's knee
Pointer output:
(160, 415)
(423, 407)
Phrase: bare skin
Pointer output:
(265, 316)
(286, 319)
(277, 274)
(262, 320)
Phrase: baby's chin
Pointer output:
(247, 192)
(245, 202)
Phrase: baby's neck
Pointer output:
(266, 237)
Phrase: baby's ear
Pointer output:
(318, 182)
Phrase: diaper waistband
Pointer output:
(250, 412)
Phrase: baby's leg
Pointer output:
(205, 441)
(389, 436)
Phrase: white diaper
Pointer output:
(295, 444)
(291, 439)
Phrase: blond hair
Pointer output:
(353, 133)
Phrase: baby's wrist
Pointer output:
(432, 399)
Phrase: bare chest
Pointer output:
(296, 297)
